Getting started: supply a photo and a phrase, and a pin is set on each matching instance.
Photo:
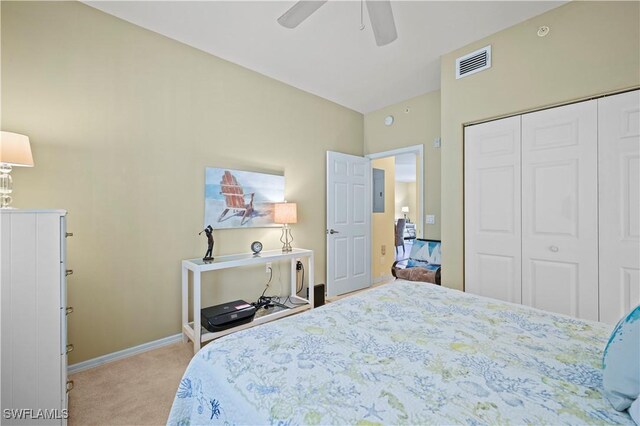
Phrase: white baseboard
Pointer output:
(383, 278)
(125, 353)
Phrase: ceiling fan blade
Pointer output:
(381, 16)
(299, 12)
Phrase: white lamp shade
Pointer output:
(15, 149)
(285, 213)
(405, 209)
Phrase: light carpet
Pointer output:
(138, 390)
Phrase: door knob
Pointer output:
(333, 231)
(68, 234)
(70, 385)
(69, 348)
(69, 310)
(68, 272)
(554, 249)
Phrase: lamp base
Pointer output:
(5, 202)
(286, 238)
(6, 186)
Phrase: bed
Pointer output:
(403, 353)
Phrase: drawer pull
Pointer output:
(68, 234)
(70, 385)
(69, 348)
(69, 310)
(68, 272)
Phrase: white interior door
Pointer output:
(619, 195)
(348, 223)
(492, 209)
(560, 210)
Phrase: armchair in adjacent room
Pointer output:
(423, 264)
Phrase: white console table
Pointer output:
(198, 266)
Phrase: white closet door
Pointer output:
(492, 209)
(560, 210)
(619, 190)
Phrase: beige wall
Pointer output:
(383, 238)
(123, 122)
(405, 195)
(593, 48)
(420, 126)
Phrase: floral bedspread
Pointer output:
(403, 353)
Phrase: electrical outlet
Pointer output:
(268, 267)
(430, 219)
(383, 250)
(382, 260)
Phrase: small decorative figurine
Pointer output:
(209, 254)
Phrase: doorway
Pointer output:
(397, 217)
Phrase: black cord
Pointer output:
(288, 299)
(268, 282)
(298, 290)
(277, 300)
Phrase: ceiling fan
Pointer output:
(380, 14)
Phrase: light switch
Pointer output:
(431, 219)
(383, 250)
(436, 143)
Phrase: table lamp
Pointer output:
(405, 210)
(285, 214)
(14, 151)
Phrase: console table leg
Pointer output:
(196, 312)
(185, 302)
(311, 281)
(294, 277)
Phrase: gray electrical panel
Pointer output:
(378, 191)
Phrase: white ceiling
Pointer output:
(328, 55)
(405, 168)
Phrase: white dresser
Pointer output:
(33, 317)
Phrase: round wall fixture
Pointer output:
(543, 31)
(407, 110)
(388, 120)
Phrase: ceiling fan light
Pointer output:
(382, 22)
(299, 12)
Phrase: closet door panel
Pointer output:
(492, 209)
(560, 210)
(619, 195)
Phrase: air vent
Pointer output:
(473, 62)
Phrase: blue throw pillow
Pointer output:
(412, 263)
(621, 362)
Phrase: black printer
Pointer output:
(227, 315)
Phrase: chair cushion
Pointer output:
(418, 274)
(621, 369)
(425, 251)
